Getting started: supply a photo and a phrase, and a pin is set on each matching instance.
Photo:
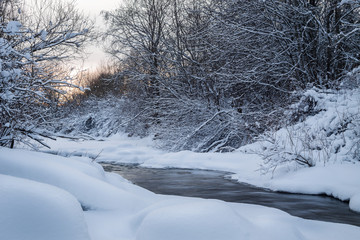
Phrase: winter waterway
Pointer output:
(214, 185)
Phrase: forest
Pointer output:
(208, 119)
(200, 75)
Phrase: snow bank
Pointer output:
(328, 141)
(355, 203)
(341, 181)
(79, 182)
(32, 210)
(86, 181)
(40, 196)
(193, 219)
(336, 178)
(117, 148)
(122, 149)
(272, 223)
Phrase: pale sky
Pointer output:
(94, 7)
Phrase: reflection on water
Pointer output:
(212, 184)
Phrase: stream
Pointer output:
(215, 185)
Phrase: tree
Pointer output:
(231, 66)
(320, 38)
(136, 35)
(187, 61)
(30, 56)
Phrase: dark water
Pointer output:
(212, 184)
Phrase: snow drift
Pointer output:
(42, 194)
(32, 210)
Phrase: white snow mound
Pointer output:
(32, 210)
(40, 196)
(85, 181)
(195, 219)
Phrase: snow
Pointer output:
(42, 194)
(5, 74)
(63, 193)
(43, 35)
(338, 179)
(13, 28)
(330, 136)
(347, 2)
(172, 221)
(355, 203)
(32, 210)
(83, 180)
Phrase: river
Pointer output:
(215, 185)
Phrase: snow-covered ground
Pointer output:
(338, 179)
(42, 196)
(63, 193)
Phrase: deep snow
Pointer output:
(338, 179)
(63, 193)
(33, 210)
(42, 194)
(329, 139)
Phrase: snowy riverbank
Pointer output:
(43, 197)
(340, 180)
(63, 193)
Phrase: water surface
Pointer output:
(214, 185)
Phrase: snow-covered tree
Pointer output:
(231, 66)
(320, 39)
(32, 49)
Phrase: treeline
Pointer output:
(209, 75)
(204, 75)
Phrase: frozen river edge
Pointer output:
(216, 185)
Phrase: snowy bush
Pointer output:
(179, 124)
(94, 117)
(331, 135)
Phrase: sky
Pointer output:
(94, 7)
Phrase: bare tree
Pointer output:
(320, 38)
(136, 35)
